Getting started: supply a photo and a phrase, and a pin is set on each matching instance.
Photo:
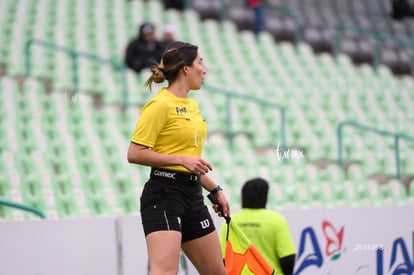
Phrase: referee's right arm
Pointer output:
(140, 154)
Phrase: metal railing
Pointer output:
(76, 55)
(377, 36)
(33, 210)
(229, 120)
(396, 136)
(186, 4)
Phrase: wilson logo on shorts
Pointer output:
(205, 224)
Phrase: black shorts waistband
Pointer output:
(172, 175)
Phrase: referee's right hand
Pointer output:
(196, 165)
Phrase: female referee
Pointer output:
(166, 138)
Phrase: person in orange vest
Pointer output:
(267, 230)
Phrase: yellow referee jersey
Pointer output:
(171, 125)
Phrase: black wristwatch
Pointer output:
(215, 190)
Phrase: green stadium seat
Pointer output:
(398, 192)
(411, 192)
(386, 195)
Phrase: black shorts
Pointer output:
(169, 204)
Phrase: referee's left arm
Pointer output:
(210, 185)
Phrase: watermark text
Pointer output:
(289, 153)
(71, 98)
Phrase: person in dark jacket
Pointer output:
(401, 9)
(144, 50)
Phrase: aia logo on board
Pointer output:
(334, 240)
(399, 260)
(310, 252)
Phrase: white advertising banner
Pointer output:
(360, 241)
(59, 247)
(363, 241)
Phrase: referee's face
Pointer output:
(196, 73)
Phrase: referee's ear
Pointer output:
(185, 70)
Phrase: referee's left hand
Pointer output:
(222, 200)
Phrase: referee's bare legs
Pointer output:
(204, 253)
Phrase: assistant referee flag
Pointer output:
(241, 257)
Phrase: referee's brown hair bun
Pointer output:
(158, 74)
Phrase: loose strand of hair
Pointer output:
(149, 82)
